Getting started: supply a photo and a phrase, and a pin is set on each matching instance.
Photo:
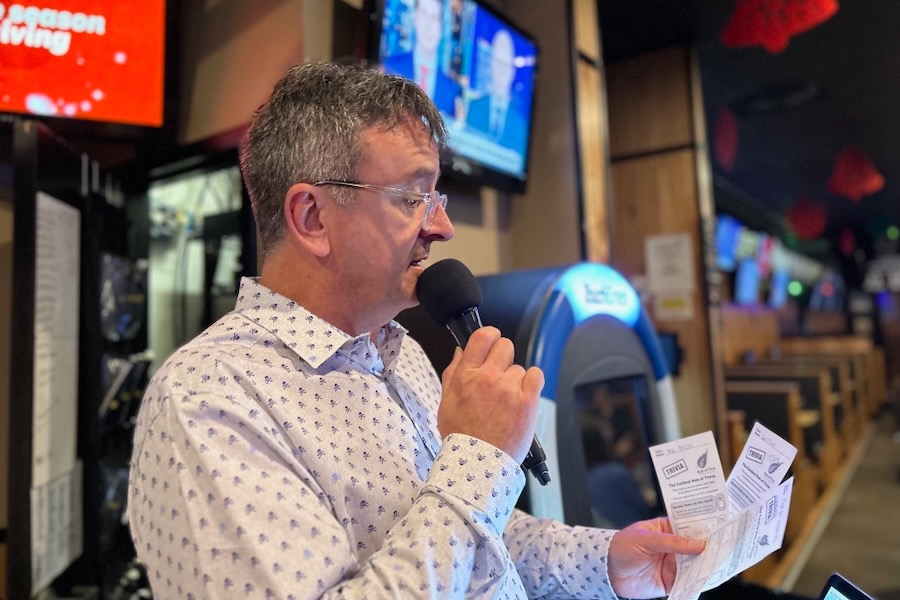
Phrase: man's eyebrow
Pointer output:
(423, 173)
(426, 172)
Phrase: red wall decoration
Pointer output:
(847, 242)
(772, 23)
(806, 219)
(854, 176)
(726, 138)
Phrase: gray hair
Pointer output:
(308, 130)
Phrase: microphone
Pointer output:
(450, 295)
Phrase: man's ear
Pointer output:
(303, 206)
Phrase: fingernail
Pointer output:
(697, 544)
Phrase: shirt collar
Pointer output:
(312, 338)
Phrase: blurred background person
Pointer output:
(493, 112)
(423, 64)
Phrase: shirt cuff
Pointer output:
(480, 474)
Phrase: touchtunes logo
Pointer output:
(605, 294)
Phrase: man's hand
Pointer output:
(488, 397)
(641, 561)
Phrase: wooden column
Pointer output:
(6, 293)
(590, 112)
(660, 184)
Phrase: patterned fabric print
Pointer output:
(275, 456)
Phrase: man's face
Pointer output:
(427, 23)
(379, 242)
(503, 70)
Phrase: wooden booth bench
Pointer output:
(843, 397)
(778, 406)
(816, 415)
(819, 393)
(869, 377)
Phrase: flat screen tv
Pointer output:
(778, 288)
(727, 230)
(99, 60)
(746, 286)
(480, 71)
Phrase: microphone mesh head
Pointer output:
(447, 289)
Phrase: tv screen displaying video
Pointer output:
(778, 288)
(746, 286)
(98, 60)
(477, 68)
(727, 230)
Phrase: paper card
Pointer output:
(739, 544)
(743, 520)
(762, 465)
(690, 476)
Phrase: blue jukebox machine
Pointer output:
(607, 395)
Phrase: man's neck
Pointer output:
(317, 291)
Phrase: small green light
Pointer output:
(795, 288)
(893, 232)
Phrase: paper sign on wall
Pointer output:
(670, 262)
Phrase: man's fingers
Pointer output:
(533, 382)
(478, 347)
(679, 544)
(447, 375)
(661, 524)
(695, 546)
(665, 543)
(501, 354)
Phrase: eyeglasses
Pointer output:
(431, 200)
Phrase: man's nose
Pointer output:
(441, 228)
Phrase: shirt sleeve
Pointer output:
(220, 507)
(556, 560)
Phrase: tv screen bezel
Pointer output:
(454, 166)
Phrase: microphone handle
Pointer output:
(462, 327)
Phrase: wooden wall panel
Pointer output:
(657, 195)
(650, 103)
(544, 223)
(222, 80)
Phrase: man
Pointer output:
(302, 446)
(423, 64)
(495, 113)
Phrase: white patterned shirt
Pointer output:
(275, 456)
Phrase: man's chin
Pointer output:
(409, 298)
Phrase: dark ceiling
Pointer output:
(833, 86)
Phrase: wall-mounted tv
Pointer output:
(778, 288)
(747, 283)
(99, 60)
(727, 230)
(480, 71)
